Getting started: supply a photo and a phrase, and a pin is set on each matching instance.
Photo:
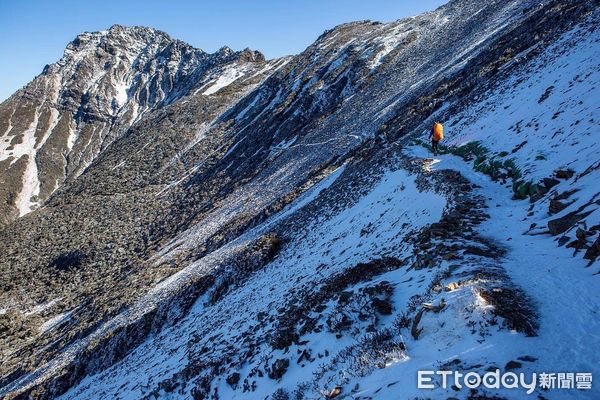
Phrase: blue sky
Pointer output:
(33, 33)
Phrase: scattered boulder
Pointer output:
(563, 240)
(549, 183)
(564, 173)
(566, 194)
(593, 251)
(562, 224)
(279, 368)
(546, 94)
(581, 242)
(518, 147)
(581, 235)
(512, 365)
(527, 358)
(233, 379)
(556, 206)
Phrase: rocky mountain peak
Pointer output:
(116, 37)
(251, 55)
(127, 44)
(105, 82)
(225, 51)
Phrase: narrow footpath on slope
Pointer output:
(563, 287)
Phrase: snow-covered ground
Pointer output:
(388, 261)
(545, 118)
(559, 130)
(563, 290)
(335, 241)
(557, 284)
(224, 78)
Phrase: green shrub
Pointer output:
(487, 163)
(521, 189)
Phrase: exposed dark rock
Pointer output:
(278, 368)
(593, 251)
(518, 147)
(549, 183)
(546, 94)
(512, 365)
(233, 379)
(555, 206)
(562, 224)
(527, 358)
(564, 173)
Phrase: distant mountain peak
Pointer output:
(225, 50)
(105, 82)
(131, 38)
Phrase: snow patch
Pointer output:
(226, 78)
(55, 322)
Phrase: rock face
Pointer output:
(190, 225)
(57, 125)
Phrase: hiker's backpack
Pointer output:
(438, 131)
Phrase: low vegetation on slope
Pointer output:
(273, 231)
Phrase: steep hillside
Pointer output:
(57, 125)
(278, 229)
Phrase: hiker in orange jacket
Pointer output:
(437, 134)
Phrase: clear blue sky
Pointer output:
(33, 33)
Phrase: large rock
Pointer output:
(594, 250)
(562, 224)
(279, 368)
(556, 206)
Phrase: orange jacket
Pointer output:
(437, 132)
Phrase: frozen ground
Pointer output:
(558, 129)
(334, 241)
(561, 287)
(345, 261)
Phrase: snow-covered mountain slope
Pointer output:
(56, 126)
(280, 232)
(537, 131)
